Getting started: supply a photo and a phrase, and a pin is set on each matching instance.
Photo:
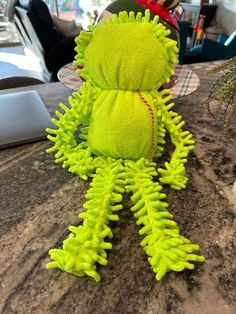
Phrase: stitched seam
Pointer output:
(150, 109)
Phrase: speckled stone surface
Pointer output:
(39, 200)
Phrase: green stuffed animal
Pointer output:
(123, 119)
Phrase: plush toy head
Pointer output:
(117, 55)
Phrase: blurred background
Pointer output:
(37, 36)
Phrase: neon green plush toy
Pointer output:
(123, 119)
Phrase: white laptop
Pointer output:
(23, 118)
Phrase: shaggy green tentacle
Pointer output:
(160, 129)
(73, 155)
(87, 243)
(160, 139)
(166, 248)
(174, 174)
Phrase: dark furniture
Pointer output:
(190, 15)
(18, 81)
(39, 34)
(209, 50)
(184, 28)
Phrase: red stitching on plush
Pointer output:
(149, 107)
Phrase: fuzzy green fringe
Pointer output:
(174, 173)
(86, 244)
(166, 248)
(73, 155)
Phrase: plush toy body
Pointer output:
(123, 121)
(121, 126)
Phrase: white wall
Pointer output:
(226, 14)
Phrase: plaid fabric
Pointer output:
(68, 76)
(184, 82)
(187, 82)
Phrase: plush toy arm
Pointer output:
(66, 148)
(160, 140)
(174, 174)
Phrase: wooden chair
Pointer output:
(18, 81)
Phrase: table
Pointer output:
(39, 200)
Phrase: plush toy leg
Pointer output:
(166, 248)
(86, 244)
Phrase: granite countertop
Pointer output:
(39, 200)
